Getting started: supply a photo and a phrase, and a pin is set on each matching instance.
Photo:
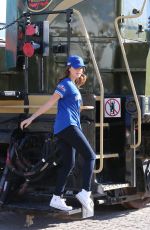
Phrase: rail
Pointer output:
(84, 30)
(128, 70)
(84, 107)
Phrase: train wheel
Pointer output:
(137, 204)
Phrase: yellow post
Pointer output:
(147, 80)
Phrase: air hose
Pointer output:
(33, 154)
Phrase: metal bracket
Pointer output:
(29, 220)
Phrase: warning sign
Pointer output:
(112, 107)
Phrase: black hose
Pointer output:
(21, 166)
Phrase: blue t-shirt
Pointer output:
(68, 105)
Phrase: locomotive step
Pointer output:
(33, 207)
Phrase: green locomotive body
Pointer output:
(113, 39)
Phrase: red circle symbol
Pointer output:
(112, 107)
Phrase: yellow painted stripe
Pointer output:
(63, 6)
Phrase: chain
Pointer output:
(15, 21)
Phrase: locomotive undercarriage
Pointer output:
(30, 160)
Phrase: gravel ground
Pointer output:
(105, 218)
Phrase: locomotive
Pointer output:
(113, 39)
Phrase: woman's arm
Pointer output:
(44, 108)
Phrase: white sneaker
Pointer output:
(59, 203)
(85, 199)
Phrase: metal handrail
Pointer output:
(84, 107)
(129, 72)
(84, 30)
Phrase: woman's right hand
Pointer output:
(26, 123)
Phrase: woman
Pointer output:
(67, 128)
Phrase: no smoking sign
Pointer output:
(112, 107)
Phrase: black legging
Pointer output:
(71, 140)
